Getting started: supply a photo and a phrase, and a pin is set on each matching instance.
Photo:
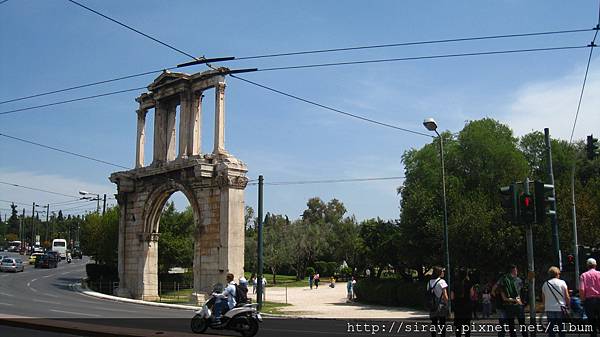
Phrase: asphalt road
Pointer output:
(46, 294)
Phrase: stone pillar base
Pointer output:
(150, 298)
(123, 292)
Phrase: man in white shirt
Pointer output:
(227, 298)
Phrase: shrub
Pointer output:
(310, 271)
(390, 292)
(98, 272)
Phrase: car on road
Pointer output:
(33, 257)
(11, 264)
(54, 255)
(45, 261)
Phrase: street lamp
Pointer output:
(431, 125)
(88, 198)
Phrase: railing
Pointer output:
(175, 292)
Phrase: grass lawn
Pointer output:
(282, 280)
(273, 308)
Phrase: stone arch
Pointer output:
(213, 183)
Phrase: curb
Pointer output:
(81, 289)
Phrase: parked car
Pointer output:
(33, 257)
(11, 264)
(46, 261)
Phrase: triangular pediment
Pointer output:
(166, 77)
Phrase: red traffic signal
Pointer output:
(571, 259)
(527, 208)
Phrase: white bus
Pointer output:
(60, 246)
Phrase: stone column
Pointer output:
(185, 110)
(160, 127)
(141, 138)
(219, 143)
(171, 132)
(195, 131)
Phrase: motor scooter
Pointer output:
(243, 318)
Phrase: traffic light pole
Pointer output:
(553, 217)
(530, 263)
(575, 244)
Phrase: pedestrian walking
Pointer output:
(589, 291)
(253, 280)
(310, 280)
(475, 300)
(317, 278)
(486, 303)
(461, 296)
(555, 296)
(350, 288)
(437, 290)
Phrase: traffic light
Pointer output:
(527, 208)
(544, 196)
(509, 202)
(591, 147)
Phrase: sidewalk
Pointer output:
(327, 302)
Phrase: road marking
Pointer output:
(118, 310)
(35, 279)
(5, 304)
(5, 294)
(74, 313)
(51, 295)
(48, 276)
(66, 273)
(49, 302)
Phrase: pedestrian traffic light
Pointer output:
(509, 202)
(592, 147)
(570, 259)
(527, 208)
(544, 196)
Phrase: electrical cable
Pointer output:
(135, 30)
(71, 100)
(587, 68)
(403, 44)
(496, 52)
(37, 189)
(15, 202)
(63, 151)
(327, 181)
(305, 53)
(330, 108)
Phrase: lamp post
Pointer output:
(88, 198)
(431, 125)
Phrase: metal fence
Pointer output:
(175, 292)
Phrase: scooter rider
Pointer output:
(226, 299)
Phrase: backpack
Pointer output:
(431, 300)
(241, 294)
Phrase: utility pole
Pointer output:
(575, 244)
(553, 217)
(47, 207)
(104, 205)
(259, 276)
(530, 261)
(32, 225)
(23, 230)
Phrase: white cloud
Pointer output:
(553, 104)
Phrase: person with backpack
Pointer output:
(226, 299)
(241, 291)
(555, 295)
(437, 300)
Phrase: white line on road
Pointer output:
(49, 302)
(48, 276)
(66, 273)
(74, 313)
(5, 294)
(5, 304)
(51, 295)
(32, 281)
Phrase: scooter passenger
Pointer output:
(225, 300)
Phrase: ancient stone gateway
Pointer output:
(213, 183)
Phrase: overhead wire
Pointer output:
(317, 51)
(37, 189)
(426, 57)
(63, 151)
(71, 100)
(330, 108)
(328, 181)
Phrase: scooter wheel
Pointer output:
(198, 324)
(252, 328)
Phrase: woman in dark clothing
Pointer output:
(461, 298)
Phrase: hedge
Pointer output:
(97, 272)
(391, 292)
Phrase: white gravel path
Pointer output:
(327, 302)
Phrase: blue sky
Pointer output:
(54, 44)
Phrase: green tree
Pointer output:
(100, 236)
